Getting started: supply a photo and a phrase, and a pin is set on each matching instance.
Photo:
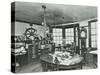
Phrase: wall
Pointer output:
(12, 28)
(20, 28)
(85, 23)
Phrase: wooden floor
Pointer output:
(35, 66)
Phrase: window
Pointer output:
(57, 35)
(93, 34)
(69, 34)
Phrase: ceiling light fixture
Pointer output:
(44, 15)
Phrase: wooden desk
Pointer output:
(48, 64)
(20, 58)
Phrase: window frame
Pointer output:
(76, 25)
(57, 32)
(90, 39)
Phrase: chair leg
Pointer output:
(56, 67)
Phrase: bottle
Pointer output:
(56, 60)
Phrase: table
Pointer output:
(48, 64)
(94, 53)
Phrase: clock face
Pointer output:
(83, 34)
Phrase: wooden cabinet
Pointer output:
(18, 51)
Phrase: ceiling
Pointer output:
(55, 13)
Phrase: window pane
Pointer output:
(57, 42)
(57, 38)
(94, 44)
(93, 31)
(60, 42)
(54, 38)
(54, 34)
(93, 25)
(93, 38)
